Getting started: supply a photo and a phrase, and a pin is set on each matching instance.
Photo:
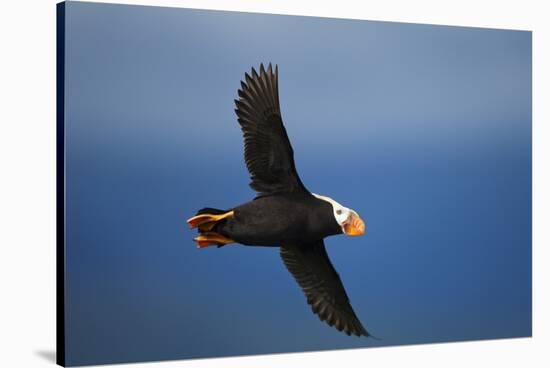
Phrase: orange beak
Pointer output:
(354, 226)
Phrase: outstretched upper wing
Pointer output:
(322, 286)
(267, 151)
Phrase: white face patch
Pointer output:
(341, 213)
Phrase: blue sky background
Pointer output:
(424, 130)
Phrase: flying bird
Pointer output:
(284, 213)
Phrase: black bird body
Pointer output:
(272, 220)
(284, 213)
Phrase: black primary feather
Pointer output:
(321, 284)
(267, 150)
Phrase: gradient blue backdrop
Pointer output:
(424, 130)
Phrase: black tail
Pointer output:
(210, 211)
(207, 219)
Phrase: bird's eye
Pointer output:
(338, 212)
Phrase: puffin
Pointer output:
(284, 213)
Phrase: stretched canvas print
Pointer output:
(235, 183)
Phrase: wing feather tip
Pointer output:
(254, 73)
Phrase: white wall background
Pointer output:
(27, 181)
